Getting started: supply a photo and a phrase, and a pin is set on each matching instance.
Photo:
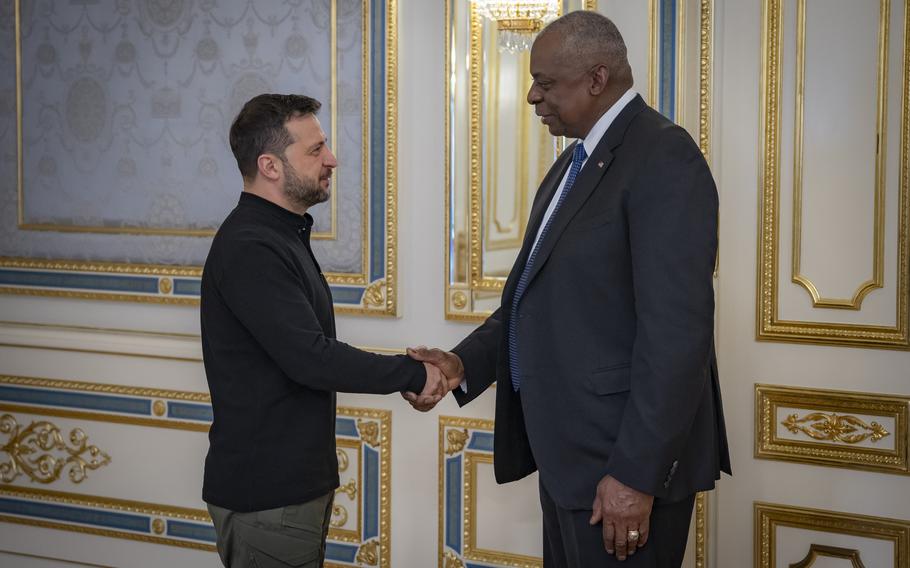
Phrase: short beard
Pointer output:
(303, 192)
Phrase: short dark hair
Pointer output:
(260, 128)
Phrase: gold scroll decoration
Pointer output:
(835, 427)
(39, 452)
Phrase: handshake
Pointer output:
(444, 374)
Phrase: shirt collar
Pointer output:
(603, 123)
(290, 218)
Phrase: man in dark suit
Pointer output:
(603, 344)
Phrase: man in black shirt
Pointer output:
(271, 358)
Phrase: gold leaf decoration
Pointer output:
(452, 560)
(349, 489)
(40, 452)
(835, 427)
(456, 440)
(339, 516)
(368, 553)
(342, 460)
(369, 431)
(373, 295)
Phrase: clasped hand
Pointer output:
(444, 373)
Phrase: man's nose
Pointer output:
(330, 161)
(533, 96)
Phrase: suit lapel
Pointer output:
(585, 184)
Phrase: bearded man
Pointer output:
(272, 360)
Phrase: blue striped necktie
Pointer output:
(578, 157)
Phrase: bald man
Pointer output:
(603, 344)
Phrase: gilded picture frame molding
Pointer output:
(373, 292)
(767, 517)
(769, 325)
(845, 404)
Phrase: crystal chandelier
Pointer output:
(518, 20)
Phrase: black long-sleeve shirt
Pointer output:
(273, 364)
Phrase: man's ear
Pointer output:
(269, 168)
(600, 76)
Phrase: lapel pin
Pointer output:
(600, 164)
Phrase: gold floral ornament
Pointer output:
(369, 431)
(349, 489)
(40, 452)
(835, 427)
(339, 516)
(373, 295)
(452, 560)
(368, 553)
(456, 439)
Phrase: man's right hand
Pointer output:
(441, 366)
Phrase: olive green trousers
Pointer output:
(275, 538)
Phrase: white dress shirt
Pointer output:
(590, 143)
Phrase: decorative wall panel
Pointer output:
(834, 255)
(834, 428)
(465, 445)
(795, 537)
(122, 166)
(361, 516)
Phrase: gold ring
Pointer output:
(633, 535)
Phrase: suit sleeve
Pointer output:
(672, 219)
(478, 353)
(267, 295)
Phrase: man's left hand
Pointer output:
(625, 513)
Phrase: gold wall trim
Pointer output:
(375, 431)
(106, 532)
(769, 325)
(80, 386)
(831, 444)
(769, 517)
(454, 436)
(822, 551)
(878, 247)
(84, 386)
(471, 550)
(391, 142)
(107, 504)
(701, 530)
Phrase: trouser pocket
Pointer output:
(264, 547)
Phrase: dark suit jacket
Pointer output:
(615, 328)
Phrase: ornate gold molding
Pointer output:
(387, 286)
(106, 504)
(43, 438)
(878, 244)
(832, 427)
(769, 518)
(339, 516)
(822, 551)
(769, 324)
(456, 440)
(369, 431)
(349, 488)
(368, 553)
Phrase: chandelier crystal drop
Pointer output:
(518, 20)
